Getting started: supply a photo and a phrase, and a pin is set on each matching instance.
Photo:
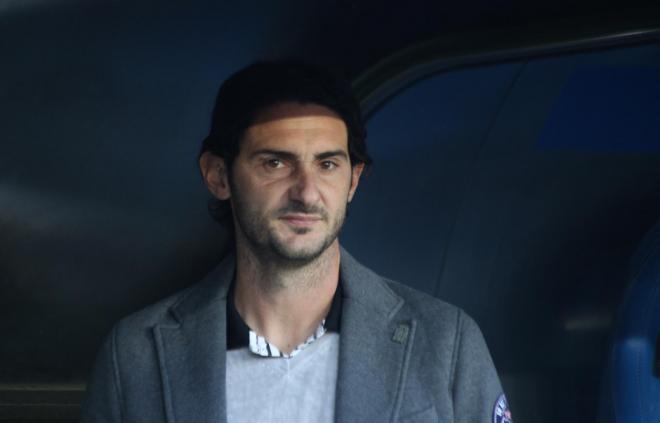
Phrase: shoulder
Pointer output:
(198, 298)
(135, 329)
(440, 323)
(430, 313)
(156, 313)
(422, 305)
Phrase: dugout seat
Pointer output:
(631, 384)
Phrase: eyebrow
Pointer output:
(290, 156)
(329, 154)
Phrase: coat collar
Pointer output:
(373, 355)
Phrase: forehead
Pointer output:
(295, 125)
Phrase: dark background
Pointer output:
(516, 188)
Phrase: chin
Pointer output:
(300, 253)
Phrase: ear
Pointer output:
(214, 172)
(356, 171)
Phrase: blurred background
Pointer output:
(516, 170)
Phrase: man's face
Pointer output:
(291, 181)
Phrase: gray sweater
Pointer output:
(298, 389)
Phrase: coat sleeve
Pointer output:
(476, 388)
(103, 398)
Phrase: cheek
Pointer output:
(268, 198)
(246, 186)
(335, 196)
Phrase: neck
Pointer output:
(282, 302)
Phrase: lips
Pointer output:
(300, 219)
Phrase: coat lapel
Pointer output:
(192, 351)
(374, 347)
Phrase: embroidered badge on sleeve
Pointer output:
(501, 413)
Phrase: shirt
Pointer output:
(239, 334)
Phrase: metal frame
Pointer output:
(455, 51)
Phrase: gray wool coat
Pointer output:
(404, 356)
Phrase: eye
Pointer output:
(328, 165)
(273, 163)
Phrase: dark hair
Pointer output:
(261, 85)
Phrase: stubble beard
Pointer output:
(268, 245)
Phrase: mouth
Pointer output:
(300, 219)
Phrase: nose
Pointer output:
(304, 188)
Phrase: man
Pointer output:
(290, 327)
